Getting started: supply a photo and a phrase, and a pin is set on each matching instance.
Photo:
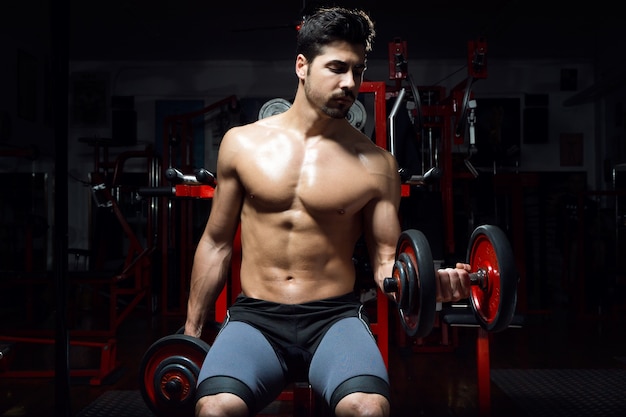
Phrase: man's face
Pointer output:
(334, 77)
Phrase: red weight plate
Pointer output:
(495, 300)
(173, 357)
(417, 313)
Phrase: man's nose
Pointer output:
(348, 80)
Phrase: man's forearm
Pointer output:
(207, 281)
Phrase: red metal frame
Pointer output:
(379, 89)
(483, 367)
(477, 58)
(398, 51)
(108, 361)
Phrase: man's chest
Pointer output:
(317, 186)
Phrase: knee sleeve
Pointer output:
(365, 383)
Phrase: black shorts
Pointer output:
(263, 346)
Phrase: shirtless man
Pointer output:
(304, 185)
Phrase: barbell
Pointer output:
(493, 278)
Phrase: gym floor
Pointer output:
(556, 363)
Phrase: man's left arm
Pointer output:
(382, 231)
(381, 224)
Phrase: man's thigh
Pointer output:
(348, 360)
(241, 361)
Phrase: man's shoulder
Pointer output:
(375, 158)
(251, 129)
(367, 144)
(242, 133)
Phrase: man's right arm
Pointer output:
(211, 263)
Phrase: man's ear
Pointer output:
(301, 66)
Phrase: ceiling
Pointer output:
(265, 30)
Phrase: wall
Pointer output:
(543, 78)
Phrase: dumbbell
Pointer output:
(169, 372)
(493, 277)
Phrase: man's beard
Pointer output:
(334, 112)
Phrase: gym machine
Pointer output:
(116, 291)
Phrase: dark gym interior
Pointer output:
(505, 114)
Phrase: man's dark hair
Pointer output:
(329, 24)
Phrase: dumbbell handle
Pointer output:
(174, 387)
(390, 285)
(479, 278)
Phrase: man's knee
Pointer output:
(363, 405)
(221, 405)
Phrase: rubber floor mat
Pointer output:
(118, 403)
(565, 392)
(130, 403)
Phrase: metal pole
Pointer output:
(59, 27)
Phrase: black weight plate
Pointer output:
(419, 316)
(171, 352)
(494, 303)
